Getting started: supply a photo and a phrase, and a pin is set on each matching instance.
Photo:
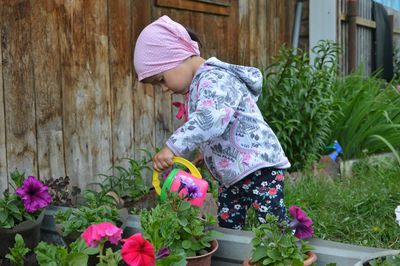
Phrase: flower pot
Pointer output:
(203, 260)
(147, 201)
(29, 230)
(312, 257)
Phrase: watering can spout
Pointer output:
(337, 150)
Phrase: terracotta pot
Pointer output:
(312, 257)
(29, 230)
(203, 260)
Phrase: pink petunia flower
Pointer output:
(137, 251)
(34, 194)
(301, 223)
(102, 231)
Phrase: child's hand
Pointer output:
(163, 159)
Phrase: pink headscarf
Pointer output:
(162, 45)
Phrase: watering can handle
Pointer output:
(193, 170)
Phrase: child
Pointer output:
(223, 121)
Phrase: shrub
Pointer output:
(368, 118)
(298, 101)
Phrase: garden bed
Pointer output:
(234, 246)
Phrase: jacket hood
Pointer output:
(250, 76)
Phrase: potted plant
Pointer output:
(283, 243)
(61, 191)
(72, 222)
(127, 187)
(22, 211)
(178, 225)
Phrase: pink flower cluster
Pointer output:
(101, 232)
(136, 251)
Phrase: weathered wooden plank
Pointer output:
(222, 9)
(99, 130)
(121, 80)
(74, 91)
(244, 51)
(86, 92)
(143, 98)
(47, 72)
(232, 26)
(163, 118)
(19, 95)
(352, 35)
(3, 157)
(261, 40)
(253, 31)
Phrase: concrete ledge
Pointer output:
(235, 246)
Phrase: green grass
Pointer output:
(358, 210)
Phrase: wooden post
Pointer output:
(352, 33)
(391, 24)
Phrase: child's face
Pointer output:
(176, 80)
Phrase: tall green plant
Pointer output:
(125, 183)
(368, 118)
(298, 101)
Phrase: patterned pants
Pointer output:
(263, 190)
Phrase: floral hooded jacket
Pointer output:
(226, 124)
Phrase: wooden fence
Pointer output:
(356, 32)
(70, 103)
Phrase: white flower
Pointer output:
(224, 209)
(264, 183)
(263, 209)
(255, 191)
(246, 186)
(397, 212)
(262, 220)
(237, 206)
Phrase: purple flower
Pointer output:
(301, 223)
(34, 194)
(163, 252)
(193, 191)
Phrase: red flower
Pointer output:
(137, 251)
(256, 205)
(279, 177)
(272, 191)
(247, 181)
(224, 216)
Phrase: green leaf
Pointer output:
(3, 216)
(186, 244)
(13, 208)
(274, 254)
(259, 253)
(76, 259)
